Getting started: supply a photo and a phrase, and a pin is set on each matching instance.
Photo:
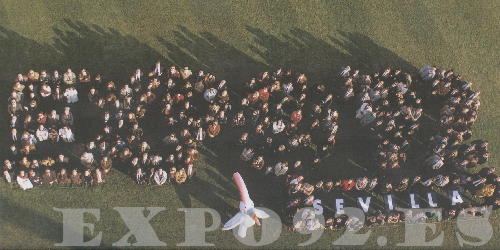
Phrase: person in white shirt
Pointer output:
(42, 133)
(345, 71)
(297, 180)
(8, 177)
(348, 94)
(66, 134)
(29, 138)
(69, 77)
(138, 75)
(160, 176)
(87, 159)
(99, 176)
(287, 88)
(46, 91)
(210, 95)
(200, 135)
(186, 73)
(278, 126)
(71, 94)
(247, 154)
(281, 168)
(24, 181)
(126, 91)
(427, 73)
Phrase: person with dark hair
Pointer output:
(75, 177)
(49, 177)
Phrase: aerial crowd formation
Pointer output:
(280, 124)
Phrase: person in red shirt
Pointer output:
(347, 185)
(263, 94)
(296, 116)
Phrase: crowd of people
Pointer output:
(41, 123)
(267, 117)
(274, 119)
(390, 112)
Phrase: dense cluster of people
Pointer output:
(279, 117)
(275, 120)
(188, 106)
(390, 111)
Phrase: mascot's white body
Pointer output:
(248, 215)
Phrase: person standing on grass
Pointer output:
(160, 176)
(69, 78)
(23, 180)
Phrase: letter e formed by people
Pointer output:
(339, 206)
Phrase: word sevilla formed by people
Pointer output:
(415, 234)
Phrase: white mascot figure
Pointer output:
(248, 215)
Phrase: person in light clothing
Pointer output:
(66, 134)
(160, 176)
(71, 94)
(23, 180)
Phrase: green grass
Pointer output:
(236, 40)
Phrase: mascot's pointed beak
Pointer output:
(256, 219)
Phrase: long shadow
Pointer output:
(206, 52)
(226, 160)
(100, 51)
(303, 52)
(20, 54)
(321, 60)
(30, 220)
(203, 192)
(105, 51)
(367, 55)
(116, 56)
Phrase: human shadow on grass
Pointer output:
(104, 51)
(33, 222)
(107, 52)
(320, 60)
(203, 192)
(19, 54)
(228, 162)
(110, 53)
(100, 51)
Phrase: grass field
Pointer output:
(236, 40)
